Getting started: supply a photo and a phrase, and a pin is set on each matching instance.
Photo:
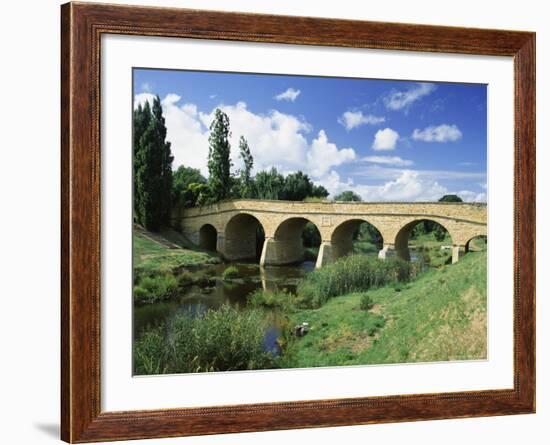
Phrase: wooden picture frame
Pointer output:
(82, 26)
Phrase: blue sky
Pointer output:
(385, 140)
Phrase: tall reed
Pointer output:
(354, 273)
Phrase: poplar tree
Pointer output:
(219, 161)
(247, 184)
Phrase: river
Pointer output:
(196, 299)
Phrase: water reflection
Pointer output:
(197, 299)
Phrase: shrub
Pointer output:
(150, 353)
(365, 303)
(185, 278)
(280, 299)
(354, 273)
(153, 288)
(218, 340)
(221, 340)
(230, 273)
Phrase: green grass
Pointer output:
(441, 316)
(277, 299)
(219, 340)
(353, 273)
(151, 257)
(365, 247)
(230, 273)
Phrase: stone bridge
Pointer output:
(231, 227)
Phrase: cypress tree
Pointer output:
(153, 169)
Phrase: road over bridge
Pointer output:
(231, 227)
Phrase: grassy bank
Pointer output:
(153, 257)
(440, 316)
(156, 258)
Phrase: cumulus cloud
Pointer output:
(290, 95)
(276, 139)
(406, 186)
(385, 139)
(441, 133)
(354, 119)
(324, 154)
(402, 100)
(469, 196)
(389, 160)
(141, 98)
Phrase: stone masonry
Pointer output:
(232, 225)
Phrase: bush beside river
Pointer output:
(226, 339)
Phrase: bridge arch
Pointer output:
(403, 236)
(343, 236)
(287, 244)
(243, 237)
(477, 239)
(208, 237)
(462, 220)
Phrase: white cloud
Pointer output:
(380, 173)
(385, 139)
(469, 196)
(275, 139)
(324, 154)
(141, 98)
(441, 133)
(407, 186)
(354, 119)
(402, 100)
(389, 160)
(290, 94)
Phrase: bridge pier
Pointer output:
(280, 252)
(325, 255)
(233, 249)
(388, 251)
(458, 252)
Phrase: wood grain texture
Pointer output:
(82, 26)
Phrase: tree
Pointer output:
(319, 192)
(142, 117)
(153, 169)
(185, 187)
(348, 195)
(269, 184)
(450, 198)
(297, 187)
(246, 185)
(219, 161)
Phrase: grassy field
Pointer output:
(153, 257)
(440, 316)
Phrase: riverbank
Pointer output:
(359, 310)
(165, 252)
(441, 316)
